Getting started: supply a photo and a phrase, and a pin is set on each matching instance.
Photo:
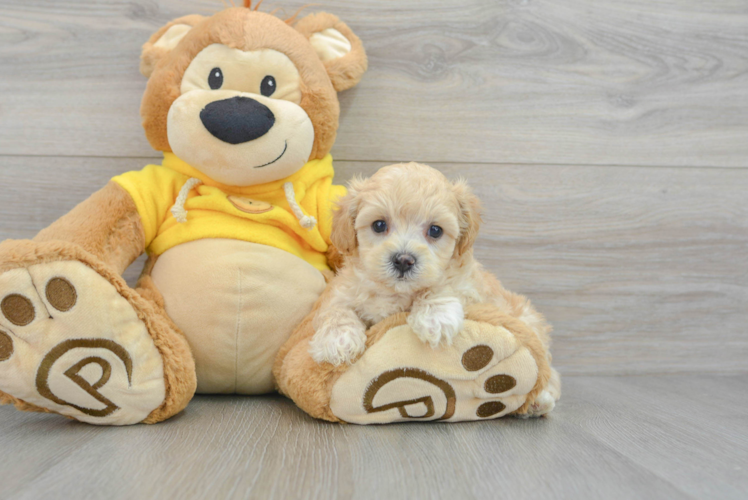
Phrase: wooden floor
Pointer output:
(608, 140)
(626, 437)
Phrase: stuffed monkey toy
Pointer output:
(236, 222)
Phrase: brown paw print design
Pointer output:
(486, 373)
(70, 343)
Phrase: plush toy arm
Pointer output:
(107, 225)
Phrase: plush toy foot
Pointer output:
(75, 342)
(494, 367)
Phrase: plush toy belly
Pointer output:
(237, 303)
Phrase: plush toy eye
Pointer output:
(267, 87)
(215, 79)
(435, 232)
(379, 226)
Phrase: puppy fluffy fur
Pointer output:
(441, 281)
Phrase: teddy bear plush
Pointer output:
(236, 222)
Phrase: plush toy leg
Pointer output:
(496, 366)
(76, 340)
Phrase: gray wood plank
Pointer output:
(645, 82)
(619, 437)
(660, 422)
(641, 270)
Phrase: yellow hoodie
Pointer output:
(258, 214)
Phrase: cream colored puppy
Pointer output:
(407, 234)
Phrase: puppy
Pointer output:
(407, 235)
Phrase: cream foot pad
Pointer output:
(486, 373)
(71, 344)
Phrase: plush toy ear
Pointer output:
(470, 219)
(164, 40)
(343, 234)
(340, 50)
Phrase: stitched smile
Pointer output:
(285, 147)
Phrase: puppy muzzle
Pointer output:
(403, 264)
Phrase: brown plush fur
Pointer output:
(151, 54)
(247, 29)
(346, 71)
(7, 399)
(179, 366)
(146, 287)
(307, 383)
(107, 225)
(298, 377)
(310, 384)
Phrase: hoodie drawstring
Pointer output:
(178, 210)
(306, 221)
(180, 213)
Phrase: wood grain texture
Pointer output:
(614, 438)
(641, 82)
(640, 267)
(640, 270)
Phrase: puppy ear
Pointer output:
(337, 46)
(470, 218)
(343, 234)
(164, 40)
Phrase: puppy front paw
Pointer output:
(437, 321)
(337, 344)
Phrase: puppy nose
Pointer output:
(403, 262)
(237, 120)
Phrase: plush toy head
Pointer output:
(245, 97)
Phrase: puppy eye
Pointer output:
(267, 87)
(435, 232)
(215, 79)
(379, 226)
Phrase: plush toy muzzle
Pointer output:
(237, 120)
(240, 138)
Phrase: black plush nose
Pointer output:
(403, 262)
(237, 120)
